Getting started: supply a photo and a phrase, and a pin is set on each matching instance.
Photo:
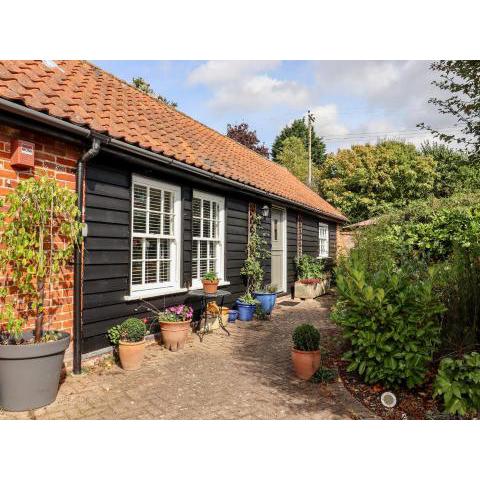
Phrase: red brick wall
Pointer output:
(56, 159)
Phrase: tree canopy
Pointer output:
(140, 84)
(242, 134)
(460, 79)
(366, 180)
(293, 155)
(299, 129)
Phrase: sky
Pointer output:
(352, 101)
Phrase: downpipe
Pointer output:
(78, 258)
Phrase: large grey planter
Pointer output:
(30, 374)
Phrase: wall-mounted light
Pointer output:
(265, 211)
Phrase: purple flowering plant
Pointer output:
(176, 313)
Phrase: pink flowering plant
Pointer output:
(177, 313)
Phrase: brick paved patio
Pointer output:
(245, 376)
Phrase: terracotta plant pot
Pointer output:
(174, 334)
(131, 354)
(210, 286)
(305, 364)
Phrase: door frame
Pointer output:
(283, 211)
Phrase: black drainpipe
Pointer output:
(77, 279)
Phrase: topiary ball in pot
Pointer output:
(130, 338)
(306, 351)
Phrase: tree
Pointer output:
(140, 84)
(294, 157)
(461, 79)
(299, 129)
(366, 180)
(455, 171)
(242, 134)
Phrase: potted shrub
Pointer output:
(174, 326)
(267, 297)
(210, 283)
(129, 338)
(39, 229)
(306, 351)
(313, 280)
(246, 307)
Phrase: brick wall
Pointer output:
(56, 159)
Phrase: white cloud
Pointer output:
(245, 85)
(327, 122)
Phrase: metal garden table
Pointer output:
(205, 299)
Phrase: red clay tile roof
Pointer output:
(83, 94)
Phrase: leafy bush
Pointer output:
(131, 330)
(309, 267)
(268, 289)
(324, 375)
(458, 382)
(248, 299)
(389, 319)
(306, 338)
(210, 277)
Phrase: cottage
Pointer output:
(164, 198)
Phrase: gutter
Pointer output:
(116, 145)
(78, 258)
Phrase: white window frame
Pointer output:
(175, 245)
(321, 226)
(197, 282)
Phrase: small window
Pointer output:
(155, 235)
(207, 236)
(322, 240)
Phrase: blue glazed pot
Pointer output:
(245, 311)
(267, 301)
(232, 316)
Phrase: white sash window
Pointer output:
(208, 237)
(155, 251)
(322, 240)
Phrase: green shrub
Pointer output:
(306, 338)
(210, 277)
(324, 375)
(389, 318)
(309, 267)
(131, 330)
(458, 382)
(248, 299)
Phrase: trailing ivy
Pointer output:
(39, 228)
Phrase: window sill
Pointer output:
(159, 292)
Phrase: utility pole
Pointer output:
(311, 119)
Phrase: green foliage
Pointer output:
(367, 180)
(131, 330)
(248, 299)
(294, 157)
(140, 84)
(12, 334)
(309, 267)
(389, 317)
(324, 375)
(306, 338)
(459, 80)
(210, 277)
(458, 382)
(456, 171)
(256, 252)
(299, 129)
(270, 288)
(38, 230)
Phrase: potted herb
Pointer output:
(174, 325)
(39, 229)
(313, 280)
(129, 338)
(306, 351)
(246, 307)
(210, 283)
(267, 297)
